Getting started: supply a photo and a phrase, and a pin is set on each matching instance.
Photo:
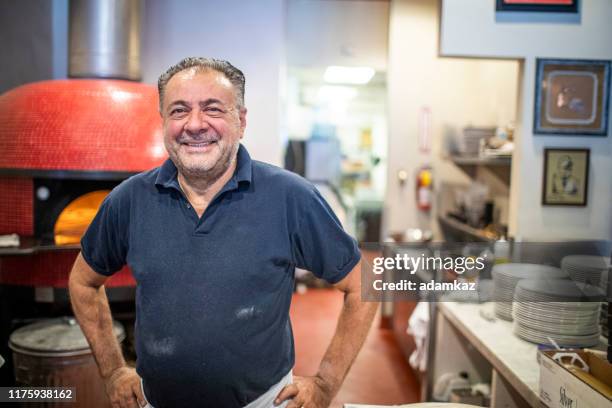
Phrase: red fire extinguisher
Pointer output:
(424, 187)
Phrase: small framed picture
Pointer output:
(566, 177)
(554, 6)
(572, 97)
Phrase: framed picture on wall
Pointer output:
(566, 177)
(572, 97)
(554, 6)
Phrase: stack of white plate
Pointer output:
(585, 268)
(563, 310)
(506, 276)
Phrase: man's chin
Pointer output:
(198, 161)
(195, 169)
(208, 165)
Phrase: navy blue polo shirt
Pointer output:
(213, 293)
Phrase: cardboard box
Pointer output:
(465, 396)
(562, 387)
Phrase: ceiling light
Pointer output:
(348, 75)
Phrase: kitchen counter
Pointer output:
(489, 351)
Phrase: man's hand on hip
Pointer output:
(123, 389)
(308, 392)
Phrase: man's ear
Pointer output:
(242, 115)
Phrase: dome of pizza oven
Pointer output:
(81, 125)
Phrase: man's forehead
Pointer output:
(189, 80)
(212, 76)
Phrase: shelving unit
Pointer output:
(495, 172)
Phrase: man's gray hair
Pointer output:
(233, 74)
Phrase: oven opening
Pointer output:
(76, 217)
(64, 208)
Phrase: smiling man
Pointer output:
(213, 238)
(203, 145)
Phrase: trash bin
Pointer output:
(55, 353)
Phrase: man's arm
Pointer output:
(353, 326)
(90, 306)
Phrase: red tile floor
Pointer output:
(380, 374)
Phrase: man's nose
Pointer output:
(196, 122)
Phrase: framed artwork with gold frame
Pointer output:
(566, 177)
(572, 97)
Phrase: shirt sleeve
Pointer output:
(104, 245)
(319, 243)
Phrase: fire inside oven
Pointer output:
(74, 219)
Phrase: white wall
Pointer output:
(337, 32)
(469, 29)
(249, 34)
(459, 92)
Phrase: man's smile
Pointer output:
(198, 146)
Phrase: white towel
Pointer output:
(418, 327)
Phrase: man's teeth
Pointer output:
(200, 144)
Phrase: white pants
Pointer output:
(266, 400)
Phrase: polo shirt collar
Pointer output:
(244, 167)
(167, 175)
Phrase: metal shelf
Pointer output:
(462, 231)
(498, 165)
(482, 161)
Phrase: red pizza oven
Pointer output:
(65, 144)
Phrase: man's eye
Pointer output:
(177, 111)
